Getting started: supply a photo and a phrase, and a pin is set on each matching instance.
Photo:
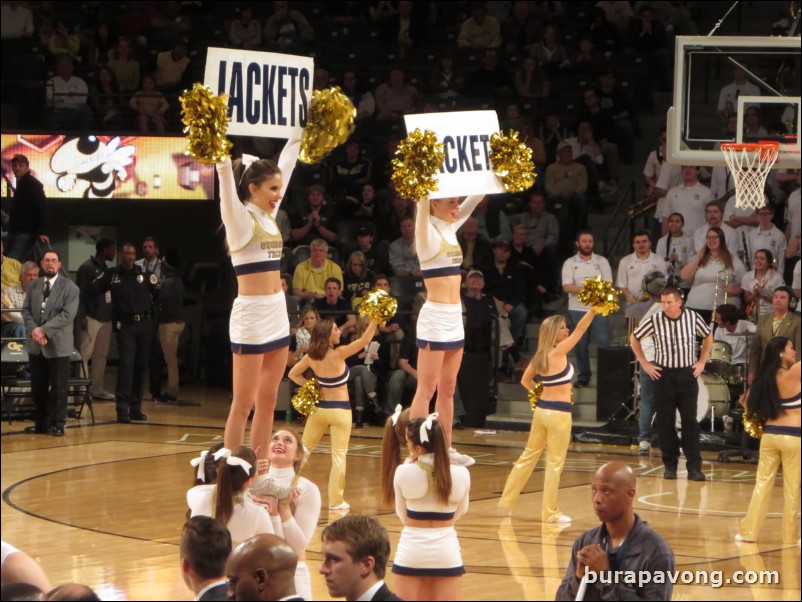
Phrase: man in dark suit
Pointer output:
(262, 568)
(205, 546)
(782, 322)
(49, 310)
(355, 552)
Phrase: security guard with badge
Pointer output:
(133, 290)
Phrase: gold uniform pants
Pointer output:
(775, 449)
(552, 428)
(340, 423)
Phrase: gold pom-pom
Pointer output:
(600, 295)
(205, 118)
(379, 306)
(535, 393)
(331, 121)
(753, 427)
(305, 400)
(511, 160)
(415, 173)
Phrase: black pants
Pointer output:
(133, 345)
(677, 389)
(49, 377)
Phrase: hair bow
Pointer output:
(223, 452)
(244, 464)
(427, 426)
(247, 161)
(200, 463)
(397, 414)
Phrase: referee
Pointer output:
(676, 367)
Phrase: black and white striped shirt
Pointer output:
(674, 340)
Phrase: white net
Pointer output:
(750, 165)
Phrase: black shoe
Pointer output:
(670, 474)
(35, 430)
(137, 415)
(458, 426)
(57, 431)
(123, 418)
(358, 419)
(696, 475)
(580, 384)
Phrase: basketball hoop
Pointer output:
(750, 165)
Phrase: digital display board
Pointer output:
(110, 167)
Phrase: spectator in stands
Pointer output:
(11, 268)
(363, 100)
(316, 220)
(476, 249)
(480, 313)
(124, 67)
(585, 264)
(521, 29)
(550, 53)
(480, 30)
(150, 106)
(542, 236)
(320, 81)
(293, 305)
(287, 29)
(602, 122)
(391, 333)
(531, 81)
(446, 81)
(171, 66)
(405, 377)
(245, 32)
(105, 99)
(168, 26)
(390, 224)
(651, 175)
(566, 185)
(595, 157)
(358, 278)
(689, 199)
(728, 97)
(493, 222)
(647, 35)
(395, 98)
(361, 206)
(67, 95)
(753, 129)
(363, 375)
(675, 247)
(768, 236)
(403, 258)
(632, 270)
(104, 41)
(350, 172)
(491, 79)
(712, 273)
(44, 21)
(13, 325)
(376, 255)
(505, 282)
(618, 12)
(309, 279)
(405, 28)
(552, 133)
(523, 256)
(760, 283)
(589, 62)
(64, 43)
(605, 35)
(204, 548)
(303, 334)
(334, 307)
(16, 21)
(714, 216)
(618, 105)
(28, 216)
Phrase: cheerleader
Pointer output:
(205, 468)
(334, 408)
(551, 423)
(226, 500)
(775, 399)
(293, 501)
(430, 495)
(251, 190)
(440, 331)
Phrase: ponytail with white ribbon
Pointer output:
(200, 463)
(233, 460)
(427, 426)
(397, 414)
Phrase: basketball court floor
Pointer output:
(104, 505)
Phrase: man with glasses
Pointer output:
(49, 311)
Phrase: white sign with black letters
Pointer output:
(269, 93)
(466, 139)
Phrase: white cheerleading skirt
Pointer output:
(259, 323)
(440, 326)
(426, 552)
